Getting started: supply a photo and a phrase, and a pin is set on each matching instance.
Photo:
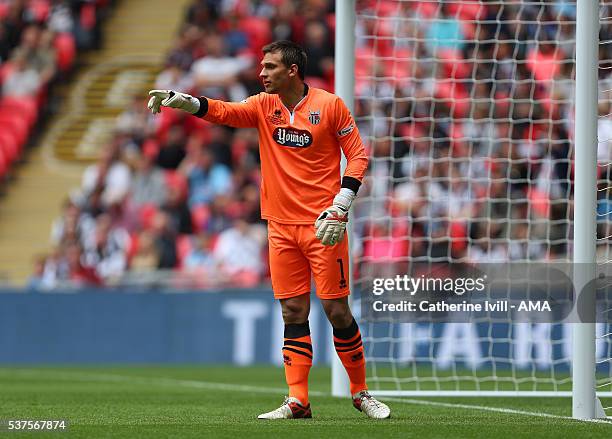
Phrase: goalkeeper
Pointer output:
(301, 131)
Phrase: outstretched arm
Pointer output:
(235, 114)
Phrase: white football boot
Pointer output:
(291, 408)
(366, 403)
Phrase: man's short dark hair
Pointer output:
(291, 53)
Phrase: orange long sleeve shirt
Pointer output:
(299, 150)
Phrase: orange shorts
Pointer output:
(296, 254)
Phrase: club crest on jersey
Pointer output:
(292, 137)
(315, 117)
(276, 118)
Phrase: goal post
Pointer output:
(480, 119)
(585, 235)
(344, 80)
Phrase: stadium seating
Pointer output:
(20, 114)
(385, 67)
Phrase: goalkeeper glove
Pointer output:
(331, 223)
(172, 99)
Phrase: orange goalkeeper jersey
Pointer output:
(299, 150)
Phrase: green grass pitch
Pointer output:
(223, 402)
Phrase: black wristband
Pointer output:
(351, 183)
(203, 107)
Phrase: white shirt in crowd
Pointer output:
(236, 251)
(117, 182)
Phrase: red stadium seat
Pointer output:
(454, 95)
(177, 181)
(470, 11)
(539, 202)
(184, 246)
(428, 9)
(258, 31)
(150, 148)
(4, 163)
(199, 217)
(39, 9)
(88, 16)
(9, 145)
(24, 106)
(65, 47)
(399, 66)
(147, 215)
(5, 70)
(15, 124)
(132, 247)
(454, 64)
(364, 58)
(167, 118)
(316, 82)
(195, 126)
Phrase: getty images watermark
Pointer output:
(534, 292)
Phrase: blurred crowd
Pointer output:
(468, 110)
(465, 108)
(39, 41)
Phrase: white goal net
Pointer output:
(466, 108)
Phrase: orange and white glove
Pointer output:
(331, 224)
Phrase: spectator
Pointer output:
(23, 80)
(108, 252)
(60, 17)
(320, 50)
(148, 183)
(444, 31)
(147, 257)
(182, 54)
(164, 237)
(37, 51)
(172, 151)
(78, 274)
(5, 44)
(544, 61)
(206, 178)
(216, 74)
(238, 253)
(219, 217)
(135, 122)
(177, 209)
(73, 225)
(15, 22)
(173, 78)
(36, 281)
(109, 178)
(451, 98)
(200, 259)
(236, 38)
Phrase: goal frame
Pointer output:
(585, 404)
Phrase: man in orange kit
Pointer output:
(301, 132)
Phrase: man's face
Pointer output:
(274, 74)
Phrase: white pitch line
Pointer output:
(493, 409)
(210, 385)
(105, 377)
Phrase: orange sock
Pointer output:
(297, 355)
(350, 350)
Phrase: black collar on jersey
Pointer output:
(305, 89)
